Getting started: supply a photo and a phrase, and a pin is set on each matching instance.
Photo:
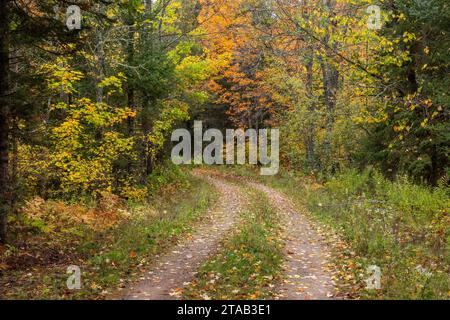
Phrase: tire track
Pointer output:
(175, 269)
(307, 277)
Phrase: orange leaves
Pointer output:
(213, 86)
(217, 19)
(53, 216)
(231, 39)
(177, 292)
(254, 296)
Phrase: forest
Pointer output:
(92, 205)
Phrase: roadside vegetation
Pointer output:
(401, 227)
(50, 236)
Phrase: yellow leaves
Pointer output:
(399, 128)
(169, 16)
(95, 286)
(424, 123)
(428, 103)
(113, 82)
(194, 69)
(111, 12)
(126, 114)
(367, 118)
(409, 37)
(173, 110)
(61, 76)
(141, 8)
(85, 145)
(401, 17)
(134, 193)
(434, 114)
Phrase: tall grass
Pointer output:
(401, 227)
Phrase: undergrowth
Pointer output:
(34, 265)
(401, 227)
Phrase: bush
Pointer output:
(166, 178)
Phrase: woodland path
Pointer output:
(180, 265)
(306, 257)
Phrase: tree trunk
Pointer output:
(131, 99)
(4, 111)
(146, 127)
(330, 87)
(100, 75)
(311, 127)
(14, 165)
